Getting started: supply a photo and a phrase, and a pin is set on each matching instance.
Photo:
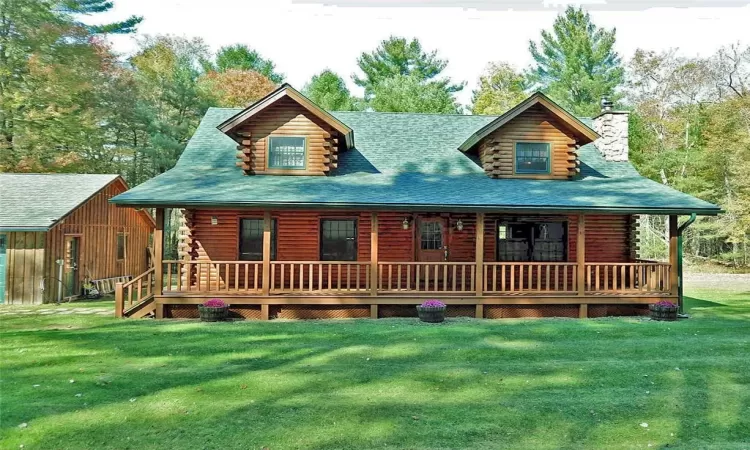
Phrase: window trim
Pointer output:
(548, 171)
(269, 140)
(356, 237)
(124, 234)
(274, 237)
(520, 221)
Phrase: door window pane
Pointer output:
(251, 239)
(431, 235)
(286, 152)
(338, 240)
(515, 246)
(549, 242)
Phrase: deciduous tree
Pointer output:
(501, 87)
(235, 88)
(242, 57)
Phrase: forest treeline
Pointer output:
(70, 103)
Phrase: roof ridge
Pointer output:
(416, 113)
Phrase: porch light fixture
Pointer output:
(460, 225)
(405, 223)
(214, 220)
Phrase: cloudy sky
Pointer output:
(304, 37)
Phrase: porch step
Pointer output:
(144, 308)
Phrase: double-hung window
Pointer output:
(287, 152)
(251, 239)
(338, 240)
(532, 157)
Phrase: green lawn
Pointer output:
(392, 383)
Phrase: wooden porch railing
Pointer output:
(324, 277)
(213, 276)
(426, 277)
(138, 290)
(355, 277)
(628, 278)
(537, 277)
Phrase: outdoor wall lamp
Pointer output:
(460, 225)
(405, 223)
(214, 220)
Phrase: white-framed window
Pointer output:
(287, 152)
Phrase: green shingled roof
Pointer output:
(402, 161)
(35, 202)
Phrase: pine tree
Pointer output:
(576, 64)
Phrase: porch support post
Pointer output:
(158, 265)
(673, 256)
(479, 239)
(374, 278)
(266, 253)
(581, 255)
(159, 252)
(119, 300)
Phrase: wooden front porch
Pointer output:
(264, 285)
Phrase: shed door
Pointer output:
(72, 257)
(3, 249)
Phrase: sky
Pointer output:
(304, 37)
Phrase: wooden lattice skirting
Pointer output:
(253, 312)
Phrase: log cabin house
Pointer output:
(291, 211)
(59, 230)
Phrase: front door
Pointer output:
(433, 244)
(3, 248)
(72, 257)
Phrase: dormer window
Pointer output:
(532, 157)
(287, 152)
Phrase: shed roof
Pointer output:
(402, 161)
(36, 202)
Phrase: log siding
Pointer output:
(537, 124)
(287, 118)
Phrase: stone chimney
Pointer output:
(612, 126)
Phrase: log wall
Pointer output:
(609, 238)
(496, 151)
(287, 118)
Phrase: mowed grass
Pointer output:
(93, 382)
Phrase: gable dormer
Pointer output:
(535, 139)
(284, 133)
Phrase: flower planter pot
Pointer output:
(659, 312)
(213, 314)
(431, 314)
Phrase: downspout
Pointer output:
(680, 282)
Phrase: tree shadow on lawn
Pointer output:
(349, 383)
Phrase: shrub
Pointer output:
(214, 303)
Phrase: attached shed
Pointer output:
(59, 230)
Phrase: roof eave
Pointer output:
(418, 207)
(12, 229)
